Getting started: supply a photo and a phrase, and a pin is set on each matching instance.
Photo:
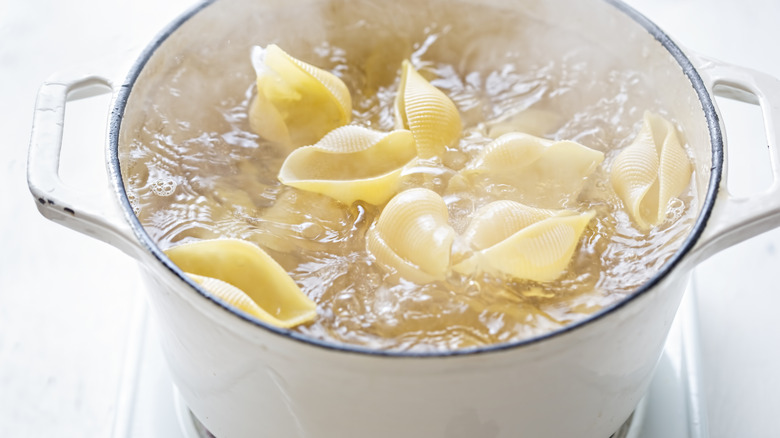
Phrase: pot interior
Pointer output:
(587, 55)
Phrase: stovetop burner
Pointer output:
(149, 405)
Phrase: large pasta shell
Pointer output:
(427, 112)
(536, 122)
(523, 242)
(546, 173)
(351, 163)
(232, 296)
(412, 236)
(296, 103)
(651, 171)
(244, 276)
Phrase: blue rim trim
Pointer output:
(712, 191)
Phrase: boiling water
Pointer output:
(196, 171)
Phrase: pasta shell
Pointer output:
(232, 296)
(523, 242)
(546, 173)
(536, 122)
(351, 163)
(412, 236)
(244, 276)
(651, 171)
(427, 112)
(296, 103)
(299, 221)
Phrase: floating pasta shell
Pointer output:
(231, 295)
(412, 236)
(296, 103)
(546, 173)
(523, 242)
(351, 163)
(651, 171)
(427, 112)
(244, 276)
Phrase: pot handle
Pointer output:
(734, 218)
(94, 214)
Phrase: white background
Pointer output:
(67, 301)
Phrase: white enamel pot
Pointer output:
(243, 378)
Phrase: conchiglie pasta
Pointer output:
(545, 173)
(427, 112)
(651, 171)
(296, 103)
(412, 236)
(234, 297)
(351, 163)
(510, 238)
(536, 122)
(297, 221)
(244, 276)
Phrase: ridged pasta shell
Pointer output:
(232, 296)
(651, 171)
(427, 112)
(296, 103)
(412, 236)
(523, 242)
(545, 172)
(258, 284)
(351, 163)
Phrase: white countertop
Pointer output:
(67, 301)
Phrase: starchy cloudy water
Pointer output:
(196, 171)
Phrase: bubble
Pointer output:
(474, 288)
(164, 187)
(133, 199)
(676, 209)
(311, 230)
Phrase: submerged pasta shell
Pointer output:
(351, 163)
(651, 171)
(523, 242)
(545, 172)
(244, 276)
(296, 103)
(298, 221)
(427, 112)
(412, 236)
(536, 122)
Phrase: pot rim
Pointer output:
(148, 243)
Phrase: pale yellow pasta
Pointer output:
(244, 276)
(351, 163)
(412, 236)
(427, 112)
(296, 103)
(545, 173)
(234, 297)
(298, 221)
(651, 171)
(510, 238)
(536, 122)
